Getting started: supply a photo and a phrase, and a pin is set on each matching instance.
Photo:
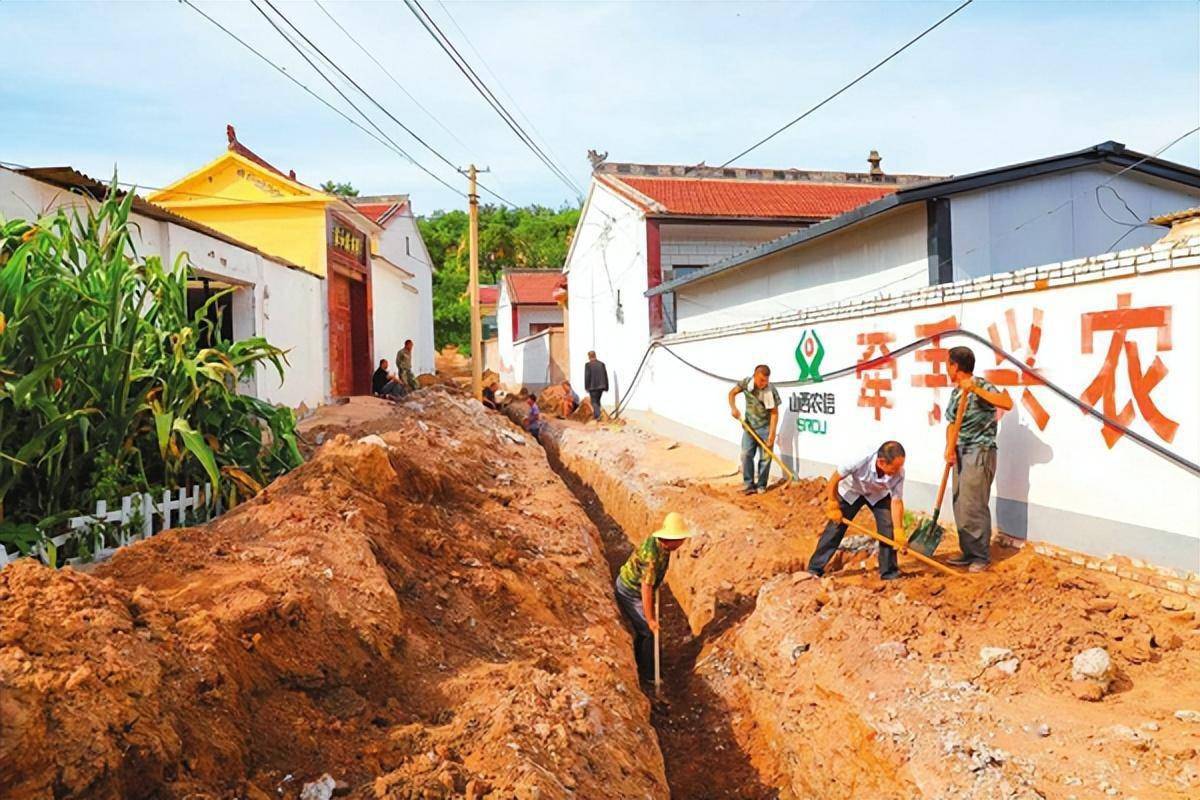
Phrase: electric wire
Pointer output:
(1157, 449)
(361, 91)
(390, 76)
(446, 10)
(447, 46)
(318, 97)
(861, 77)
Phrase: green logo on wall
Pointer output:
(809, 352)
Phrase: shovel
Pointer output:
(768, 451)
(928, 535)
(657, 658)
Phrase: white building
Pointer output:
(272, 297)
(1053, 209)
(645, 225)
(402, 280)
(529, 329)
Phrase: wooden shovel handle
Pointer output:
(955, 427)
(891, 543)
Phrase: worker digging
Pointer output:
(637, 586)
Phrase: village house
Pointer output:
(766, 243)
(243, 195)
(643, 225)
(531, 341)
(271, 296)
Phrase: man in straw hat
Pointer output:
(637, 581)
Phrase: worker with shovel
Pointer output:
(876, 481)
(637, 590)
(758, 428)
(973, 457)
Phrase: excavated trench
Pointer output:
(785, 686)
(702, 755)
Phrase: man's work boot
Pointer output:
(959, 560)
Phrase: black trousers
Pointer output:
(595, 394)
(834, 531)
(630, 601)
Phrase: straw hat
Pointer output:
(673, 528)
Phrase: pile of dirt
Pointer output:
(450, 362)
(423, 613)
(847, 686)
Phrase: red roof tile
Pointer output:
(489, 295)
(758, 199)
(373, 211)
(533, 286)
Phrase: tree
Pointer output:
(341, 189)
(534, 237)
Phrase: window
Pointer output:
(668, 300)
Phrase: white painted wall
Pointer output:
(983, 222)
(293, 309)
(531, 362)
(887, 253)
(607, 259)
(297, 297)
(1063, 484)
(400, 314)
(397, 309)
(528, 315)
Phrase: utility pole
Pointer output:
(476, 322)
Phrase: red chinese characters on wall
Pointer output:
(935, 355)
(876, 368)
(1008, 376)
(1102, 391)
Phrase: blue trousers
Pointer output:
(749, 448)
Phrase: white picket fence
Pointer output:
(107, 525)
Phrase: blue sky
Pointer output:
(148, 87)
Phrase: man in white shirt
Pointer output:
(876, 481)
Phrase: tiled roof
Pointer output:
(745, 199)
(532, 285)
(380, 209)
(489, 294)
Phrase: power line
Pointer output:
(831, 97)
(320, 53)
(391, 77)
(342, 94)
(318, 97)
(477, 83)
(500, 83)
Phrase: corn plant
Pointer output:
(108, 385)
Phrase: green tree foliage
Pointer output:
(341, 188)
(535, 237)
(109, 386)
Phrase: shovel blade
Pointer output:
(926, 538)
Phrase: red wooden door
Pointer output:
(341, 366)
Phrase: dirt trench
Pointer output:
(847, 687)
(424, 612)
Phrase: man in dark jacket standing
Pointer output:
(595, 381)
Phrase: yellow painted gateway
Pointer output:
(242, 195)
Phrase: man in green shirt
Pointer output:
(637, 581)
(762, 415)
(974, 457)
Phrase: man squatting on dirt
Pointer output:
(637, 581)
